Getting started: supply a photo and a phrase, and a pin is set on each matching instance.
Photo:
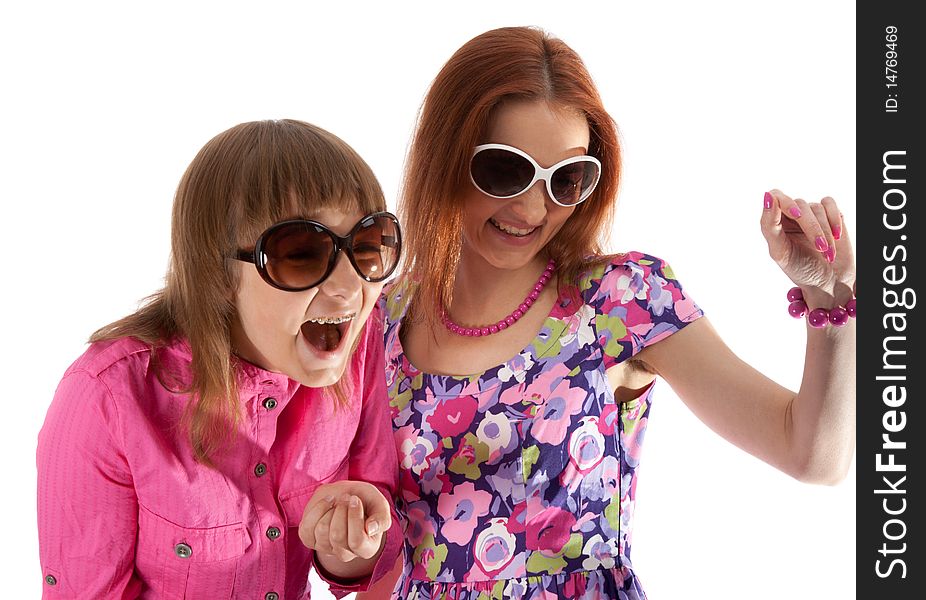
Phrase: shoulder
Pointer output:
(627, 270)
(103, 356)
(637, 301)
(126, 367)
(86, 398)
(636, 281)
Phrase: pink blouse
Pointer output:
(125, 511)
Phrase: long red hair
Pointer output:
(511, 63)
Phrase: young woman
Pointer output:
(521, 360)
(185, 446)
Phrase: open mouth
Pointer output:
(513, 231)
(325, 333)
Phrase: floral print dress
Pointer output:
(519, 482)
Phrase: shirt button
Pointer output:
(260, 469)
(183, 550)
(50, 580)
(271, 596)
(273, 532)
(270, 403)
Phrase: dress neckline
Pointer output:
(543, 340)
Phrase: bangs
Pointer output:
(291, 169)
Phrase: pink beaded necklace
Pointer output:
(507, 321)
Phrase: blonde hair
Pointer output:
(241, 182)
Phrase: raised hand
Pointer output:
(810, 243)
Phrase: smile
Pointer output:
(512, 230)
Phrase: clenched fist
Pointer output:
(346, 520)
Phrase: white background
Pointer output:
(105, 104)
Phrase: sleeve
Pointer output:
(87, 507)
(637, 303)
(372, 454)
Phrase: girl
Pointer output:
(184, 447)
(521, 360)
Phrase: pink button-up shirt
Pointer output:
(125, 511)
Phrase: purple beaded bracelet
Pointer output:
(837, 316)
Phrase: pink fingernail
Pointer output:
(795, 212)
(372, 528)
(821, 244)
(837, 232)
(830, 255)
(768, 201)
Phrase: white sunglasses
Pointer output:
(502, 171)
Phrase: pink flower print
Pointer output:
(659, 298)
(580, 328)
(537, 390)
(628, 502)
(517, 367)
(577, 587)
(632, 440)
(638, 316)
(428, 558)
(586, 445)
(468, 457)
(420, 523)
(603, 482)
(562, 312)
(608, 420)
(685, 307)
(435, 480)
(453, 417)
(630, 284)
(494, 547)
(600, 553)
(516, 522)
(549, 530)
(586, 449)
(507, 482)
(416, 449)
(461, 510)
(555, 414)
(495, 431)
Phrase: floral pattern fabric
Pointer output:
(519, 482)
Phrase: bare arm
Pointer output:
(809, 434)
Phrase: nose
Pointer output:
(343, 283)
(531, 206)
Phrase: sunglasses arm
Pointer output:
(246, 256)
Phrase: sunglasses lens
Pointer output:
(297, 255)
(376, 247)
(573, 183)
(500, 172)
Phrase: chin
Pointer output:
(320, 378)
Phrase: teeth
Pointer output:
(512, 230)
(332, 320)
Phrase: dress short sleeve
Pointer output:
(637, 302)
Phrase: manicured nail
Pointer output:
(795, 212)
(372, 528)
(768, 201)
(837, 232)
(354, 501)
(821, 244)
(830, 255)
